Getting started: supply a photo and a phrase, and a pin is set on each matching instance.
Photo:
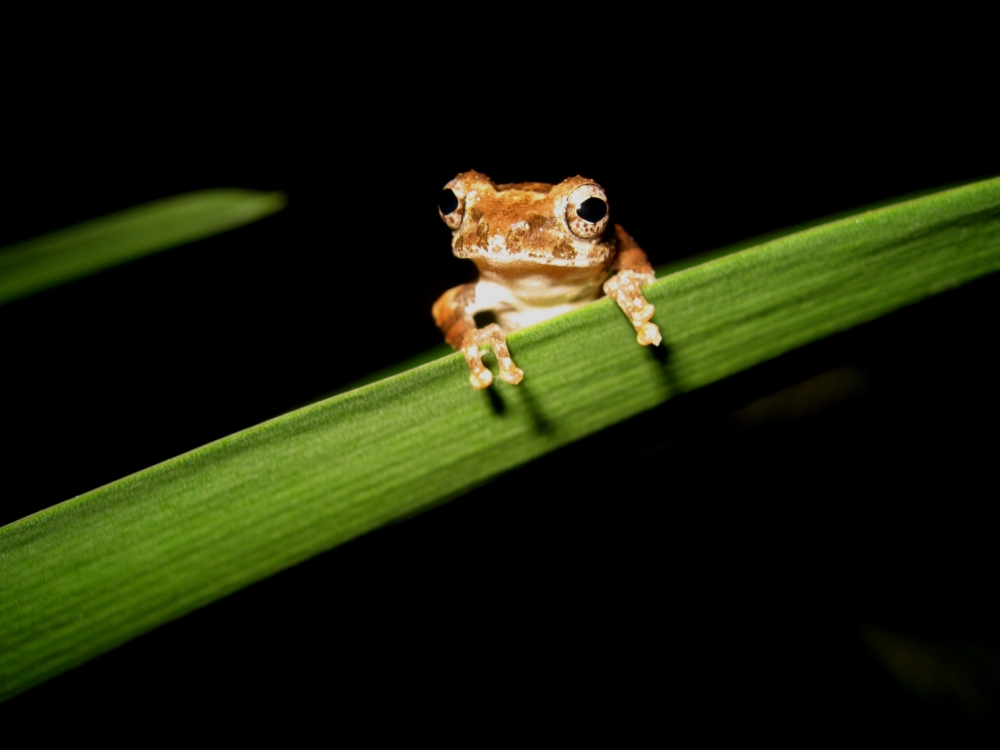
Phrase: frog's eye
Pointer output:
(451, 204)
(587, 212)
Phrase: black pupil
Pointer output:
(448, 202)
(592, 210)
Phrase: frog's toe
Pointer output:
(648, 334)
(514, 375)
(482, 380)
(643, 311)
(509, 373)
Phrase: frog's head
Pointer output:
(528, 222)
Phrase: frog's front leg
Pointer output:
(453, 314)
(625, 287)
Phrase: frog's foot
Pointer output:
(480, 376)
(625, 288)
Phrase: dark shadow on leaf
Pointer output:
(660, 353)
(542, 425)
(663, 356)
(496, 403)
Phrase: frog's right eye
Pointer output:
(451, 205)
(587, 211)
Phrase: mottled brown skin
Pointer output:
(629, 256)
(537, 257)
(449, 313)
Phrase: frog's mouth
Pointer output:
(566, 254)
(513, 272)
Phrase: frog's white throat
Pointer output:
(531, 299)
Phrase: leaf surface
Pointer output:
(84, 576)
(83, 249)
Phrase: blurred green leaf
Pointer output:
(89, 574)
(966, 674)
(80, 250)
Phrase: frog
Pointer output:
(541, 250)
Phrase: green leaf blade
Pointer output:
(43, 262)
(84, 576)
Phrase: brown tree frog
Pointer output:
(541, 250)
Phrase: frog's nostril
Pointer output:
(448, 201)
(592, 210)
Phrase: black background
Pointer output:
(728, 588)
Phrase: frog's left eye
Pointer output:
(587, 212)
(451, 204)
